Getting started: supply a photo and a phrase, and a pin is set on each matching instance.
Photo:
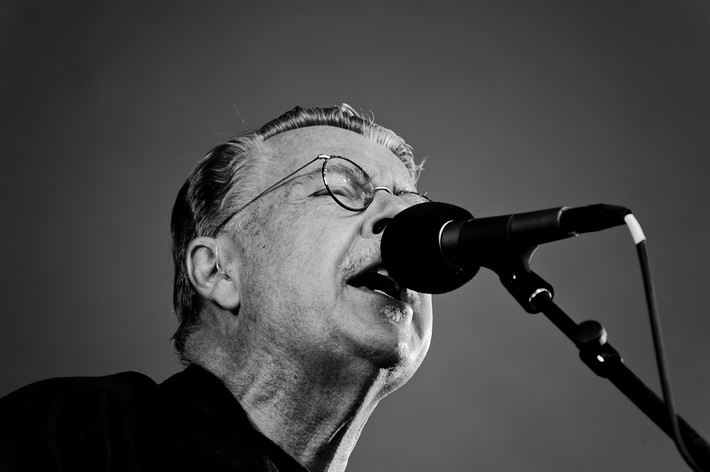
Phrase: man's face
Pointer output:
(301, 255)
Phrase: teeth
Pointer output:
(384, 293)
(378, 277)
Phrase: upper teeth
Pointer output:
(383, 271)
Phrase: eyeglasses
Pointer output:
(348, 183)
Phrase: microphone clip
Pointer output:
(512, 265)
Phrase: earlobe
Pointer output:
(214, 278)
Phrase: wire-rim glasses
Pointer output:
(346, 182)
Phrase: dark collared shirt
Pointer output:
(128, 422)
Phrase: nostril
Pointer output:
(380, 225)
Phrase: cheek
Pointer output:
(297, 250)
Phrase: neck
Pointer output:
(313, 411)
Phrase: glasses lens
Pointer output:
(348, 183)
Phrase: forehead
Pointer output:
(296, 147)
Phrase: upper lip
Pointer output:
(374, 276)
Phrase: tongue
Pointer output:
(377, 282)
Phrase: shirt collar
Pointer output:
(202, 417)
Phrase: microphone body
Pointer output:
(437, 247)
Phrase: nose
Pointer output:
(383, 208)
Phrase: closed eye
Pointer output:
(345, 191)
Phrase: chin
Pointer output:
(396, 376)
(400, 362)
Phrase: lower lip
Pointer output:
(384, 295)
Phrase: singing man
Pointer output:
(290, 329)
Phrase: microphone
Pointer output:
(437, 247)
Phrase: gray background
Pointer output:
(518, 105)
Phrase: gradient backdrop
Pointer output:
(518, 105)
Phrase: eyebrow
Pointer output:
(360, 174)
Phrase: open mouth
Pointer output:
(378, 280)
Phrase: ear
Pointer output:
(214, 279)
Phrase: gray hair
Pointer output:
(229, 175)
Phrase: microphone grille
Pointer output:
(411, 252)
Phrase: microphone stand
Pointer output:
(512, 265)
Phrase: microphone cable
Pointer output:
(658, 346)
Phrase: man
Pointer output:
(290, 328)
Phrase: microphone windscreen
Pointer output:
(411, 252)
